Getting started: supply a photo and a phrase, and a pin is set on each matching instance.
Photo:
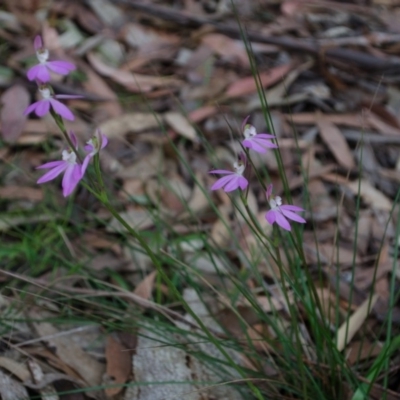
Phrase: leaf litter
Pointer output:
(157, 77)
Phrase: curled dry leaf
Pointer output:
(118, 365)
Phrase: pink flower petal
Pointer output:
(37, 43)
(31, 108)
(53, 173)
(270, 216)
(253, 145)
(85, 165)
(74, 139)
(291, 215)
(221, 171)
(51, 164)
(233, 184)
(60, 67)
(221, 182)
(282, 221)
(269, 191)
(104, 140)
(42, 73)
(32, 72)
(71, 178)
(264, 142)
(265, 136)
(43, 107)
(243, 182)
(289, 207)
(62, 110)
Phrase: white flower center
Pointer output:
(249, 131)
(42, 55)
(69, 157)
(239, 168)
(45, 93)
(275, 203)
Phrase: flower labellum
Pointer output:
(41, 71)
(233, 179)
(258, 142)
(93, 146)
(281, 214)
(69, 165)
(42, 107)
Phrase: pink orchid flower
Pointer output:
(258, 142)
(41, 70)
(42, 107)
(282, 213)
(73, 172)
(93, 146)
(232, 180)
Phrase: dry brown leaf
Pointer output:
(230, 49)
(134, 82)
(118, 365)
(13, 102)
(15, 368)
(171, 195)
(362, 350)
(145, 288)
(334, 139)
(181, 125)
(323, 207)
(277, 302)
(21, 193)
(245, 86)
(373, 197)
(202, 113)
(221, 232)
(350, 120)
(198, 202)
(69, 352)
(146, 167)
(375, 122)
(278, 95)
(95, 84)
(351, 326)
(132, 122)
(136, 218)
